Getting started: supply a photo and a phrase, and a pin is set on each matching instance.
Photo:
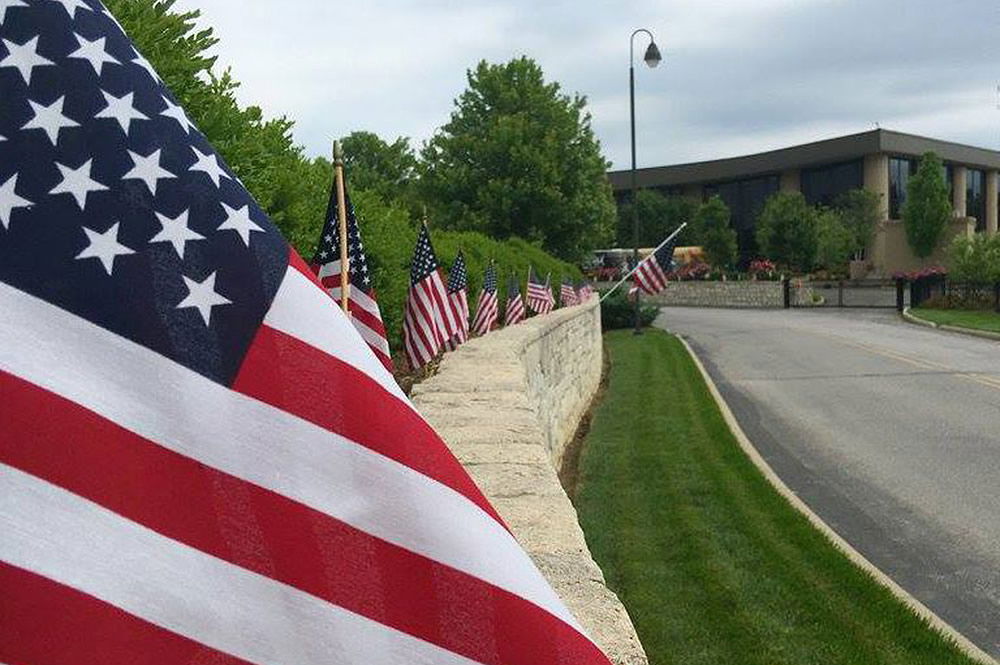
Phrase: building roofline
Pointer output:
(826, 151)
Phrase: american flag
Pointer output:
(458, 283)
(430, 319)
(362, 304)
(514, 310)
(567, 294)
(584, 291)
(651, 275)
(486, 306)
(200, 458)
(540, 298)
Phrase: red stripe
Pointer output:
(290, 375)
(46, 623)
(272, 535)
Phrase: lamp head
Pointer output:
(652, 56)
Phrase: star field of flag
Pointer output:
(424, 260)
(144, 229)
(329, 248)
(458, 278)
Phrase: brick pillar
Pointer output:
(958, 174)
(992, 187)
(790, 181)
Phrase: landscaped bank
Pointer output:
(713, 565)
(973, 320)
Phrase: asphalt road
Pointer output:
(889, 431)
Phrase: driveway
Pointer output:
(890, 432)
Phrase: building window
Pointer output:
(745, 199)
(949, 178)
(900, 170)
(823, 185)
(975, 197)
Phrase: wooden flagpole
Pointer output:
(345, 261)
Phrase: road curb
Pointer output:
(924, 612)
(910, 317)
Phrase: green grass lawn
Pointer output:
(961, 317)
(713, 565)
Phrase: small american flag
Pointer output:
(540, 298)
(361, 303)
(584, 291)
(651, 275)
(458, 282)
(567, 294)
(430, 319)
(486, 307)
(514, 311)
(201, 460)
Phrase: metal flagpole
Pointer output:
(345, 263)
(630, 272)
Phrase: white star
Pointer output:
(202, 295)
(177, 113)
(24, 57)
(104, 246)
(122, 110)
(77, 182)
(49, 118)
(176, 231)
(7, 4)
(208, 164)
(148, 169)
(72, 5)
(10, 200)
(238, 220)
(93, 52)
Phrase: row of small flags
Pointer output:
(437, 314)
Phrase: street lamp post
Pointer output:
(652, 59)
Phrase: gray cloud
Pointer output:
(738, 76)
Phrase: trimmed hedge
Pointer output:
(617, 311)
(390, 237)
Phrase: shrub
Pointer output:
(718, 239)
(834, 243)
(786, 231)
(976, 259)
(617, 311)
(860, 211)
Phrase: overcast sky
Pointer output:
(738, 76)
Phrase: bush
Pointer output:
(834, 244)
(860, 211)
(718, 239)
(786, 231)
(617, 311)
(976, 259)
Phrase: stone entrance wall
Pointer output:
(742, 294)
(507, 404)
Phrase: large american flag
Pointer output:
(514, 310)
(540, 298)
(486, 305)
(651, 275)
(362, 303)
(430, 319)
(201, 461)
(458, 288)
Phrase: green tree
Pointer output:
(975, 259)
(388, 169)
(860, 211)
(659, 215)
(834, 240)
(928, 207)
(718, 239)
(519, 158)
(786, 231)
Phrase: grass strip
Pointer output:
(963, 318)
(712, 563)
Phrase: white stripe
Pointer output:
(331, 269)
(302, 310)
(370, 336)
(359, 297)
(415, 347)
(80, 544)
(427, 316)
(189, 414)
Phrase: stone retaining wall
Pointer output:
(507, 404)
(742, 294)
